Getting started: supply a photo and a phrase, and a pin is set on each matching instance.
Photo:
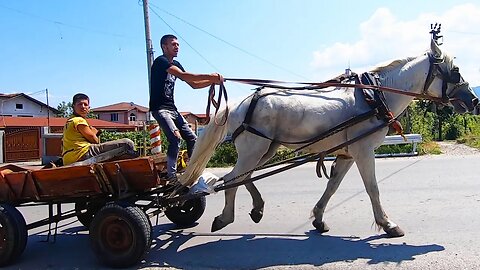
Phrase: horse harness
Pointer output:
(453, 77)
(374, 98)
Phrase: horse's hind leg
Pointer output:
(339, 168)
(250, 149)
(258, 203)
(366, 166)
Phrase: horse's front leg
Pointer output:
(228, 213)
(339, 168)
(248, 158)
(366, 166)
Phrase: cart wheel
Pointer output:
(120, 234)
(188, 213)
(86, 211)
(13, 234)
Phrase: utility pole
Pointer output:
(48, 111)
(147, 38)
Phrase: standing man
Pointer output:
(164, 72)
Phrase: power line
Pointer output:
(463, 32)
(180, 36)
(59, 23)
(224, 41)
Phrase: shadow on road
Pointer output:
(250, 251)
(233, 251)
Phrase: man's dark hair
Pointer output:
(78, 97)
(165, 38)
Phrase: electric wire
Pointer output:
(59, 23)
(224, 41)
(188, 44)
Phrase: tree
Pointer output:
(65, 109)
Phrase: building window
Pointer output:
(19, 106)
(132, 117)
(114, 117)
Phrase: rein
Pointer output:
(320, 85)
(222, 91)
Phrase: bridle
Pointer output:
(451, 77)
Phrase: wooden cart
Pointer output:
(115, 200)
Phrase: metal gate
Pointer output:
(22, 144)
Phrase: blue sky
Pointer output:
(98, 46)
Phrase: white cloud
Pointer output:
(384, 36)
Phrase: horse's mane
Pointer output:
(392, 65)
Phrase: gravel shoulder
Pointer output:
(452, 148)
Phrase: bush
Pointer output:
(225, 155)
(394, 149)
(141, 139)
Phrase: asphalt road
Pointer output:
(434, 199)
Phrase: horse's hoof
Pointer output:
(320, 226)
(256, 215)
(394, 232)
(217, 224)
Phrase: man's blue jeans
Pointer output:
(169, 121)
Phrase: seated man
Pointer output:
(80, 140)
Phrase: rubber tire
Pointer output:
(13, 234)
(188, 213)
(86, 218)
(120, 235)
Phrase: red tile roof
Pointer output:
(197, 115)
(8, 121)
(122, 106)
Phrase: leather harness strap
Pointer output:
(248, 118)
(376, 99)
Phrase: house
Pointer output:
(127, 113)
(195, 120)
(22, 105)
(133, 114)
(21, 138)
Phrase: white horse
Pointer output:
(284, 116)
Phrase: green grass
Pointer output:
(429, 148)
(470, 140)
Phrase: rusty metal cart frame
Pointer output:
(115, 200)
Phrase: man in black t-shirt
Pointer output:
(164, 72)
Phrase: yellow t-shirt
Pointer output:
(74, 144)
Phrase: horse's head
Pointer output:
(445, 81)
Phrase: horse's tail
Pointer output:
(205, 146)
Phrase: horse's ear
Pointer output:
(435, 50)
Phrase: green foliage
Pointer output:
(225, 155)
(395, 148)
(140, 138)
(65, 109)
(470, 140)
(283, 153)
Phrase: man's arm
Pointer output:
(90, 133)
(194, 80)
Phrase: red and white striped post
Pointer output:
(155, 139)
